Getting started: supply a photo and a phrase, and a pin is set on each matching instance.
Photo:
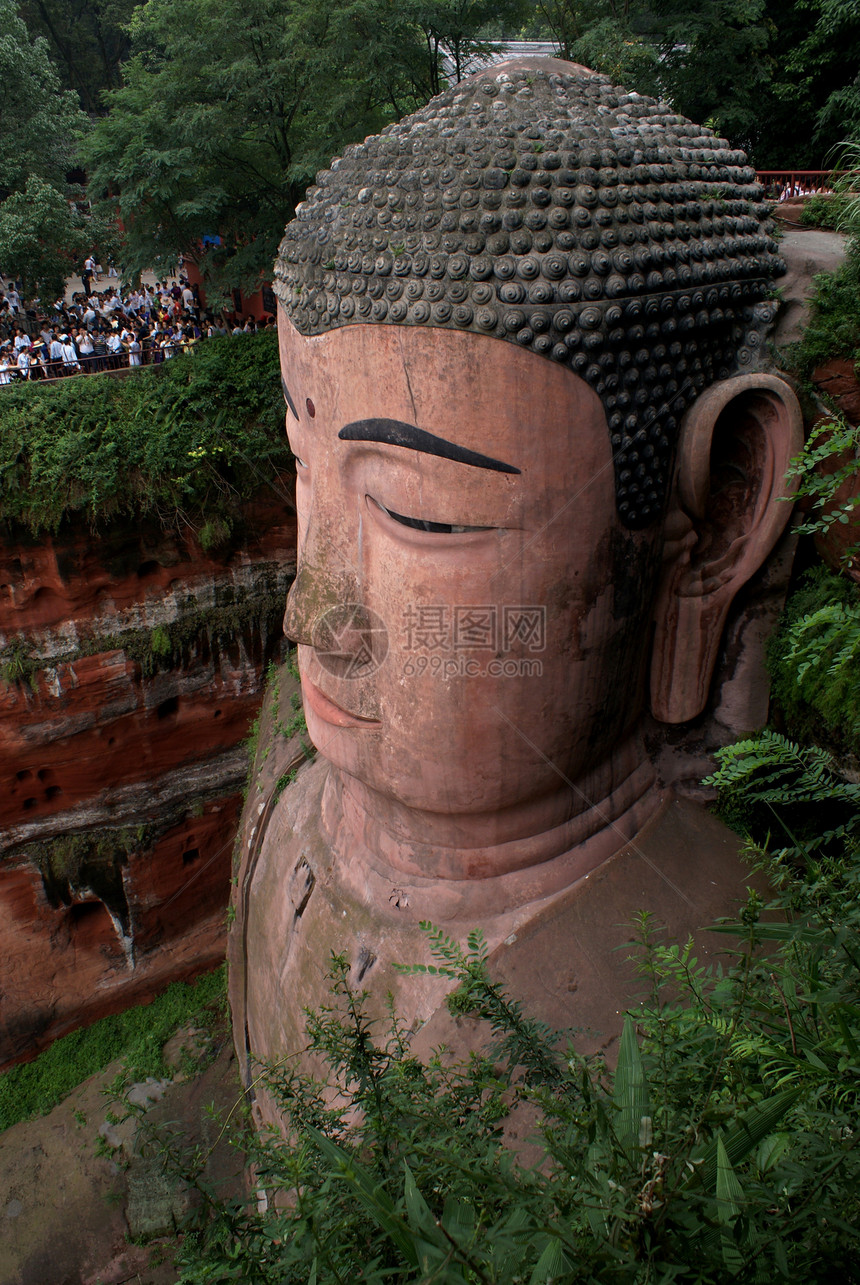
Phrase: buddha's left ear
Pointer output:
(729, 506)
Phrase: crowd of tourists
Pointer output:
(107, 329)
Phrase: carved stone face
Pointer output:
(472, 614)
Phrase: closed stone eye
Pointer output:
(424, 524)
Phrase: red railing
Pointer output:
(785, 185)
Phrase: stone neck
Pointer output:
(462, 865)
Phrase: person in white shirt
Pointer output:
(24, 362)
(56, 354)
(5, 376)
(13, 297)
(22, 339)
(114, 343)
(134, 351)
(85, 348)
(71, 364)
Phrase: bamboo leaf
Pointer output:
(631, 1089)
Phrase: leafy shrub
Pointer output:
(768, 787)
(823, 211)
(814, 660)
(833, 329)
(183, 441)
(722, 1148)
(829, 460)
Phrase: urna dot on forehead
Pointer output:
(537, 204)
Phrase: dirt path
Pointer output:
(806, 251)
(77, 1190)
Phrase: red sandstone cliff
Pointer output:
(131, 666)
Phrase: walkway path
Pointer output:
(807, 251)
(75, 284)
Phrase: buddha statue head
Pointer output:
(523, 344)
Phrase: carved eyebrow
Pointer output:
(287, 398)
(394, 432)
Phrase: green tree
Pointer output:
(454, 32)
(40, 124)
(228, 109)
(41, 237)
(41, 127)
(712, 55)
(821, 86)
(599, 34)
(226, 112)
(88, 41)
(777, 77)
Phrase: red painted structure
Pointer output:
(784, 185)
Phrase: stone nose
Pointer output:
(320, 593)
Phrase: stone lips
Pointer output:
(552, 210)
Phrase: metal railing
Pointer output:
(785, 185)
(87, 363)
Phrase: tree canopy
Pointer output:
(212, 117)
(87, 41)
(780, 78)
(41, 126)
(228, 109)
(40, 123)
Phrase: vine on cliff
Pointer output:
(166, 646)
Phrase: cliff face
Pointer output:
(131, 667)
(838, 381)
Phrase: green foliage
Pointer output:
(137, 1035)
(70, 858)
(821, 84)
(42, 127)
(42, 124)
(599, 34)
(184, 442)
(18, 664)
(228, 109)
(823, 211)
(814, 660)
(769, 785)
(297, 723)
(87, 40)
(833, 328)
(713, 64)
(620, 54)
(41, 237)
(722, 1147)
(830, 459)
(167, 646)
(777, 77)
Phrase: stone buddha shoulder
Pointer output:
(538, 454)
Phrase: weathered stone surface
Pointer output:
(540, 205)
(448, 481)
(132, 666)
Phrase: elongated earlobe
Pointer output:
(729, 506)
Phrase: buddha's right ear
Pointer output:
(729, 506)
